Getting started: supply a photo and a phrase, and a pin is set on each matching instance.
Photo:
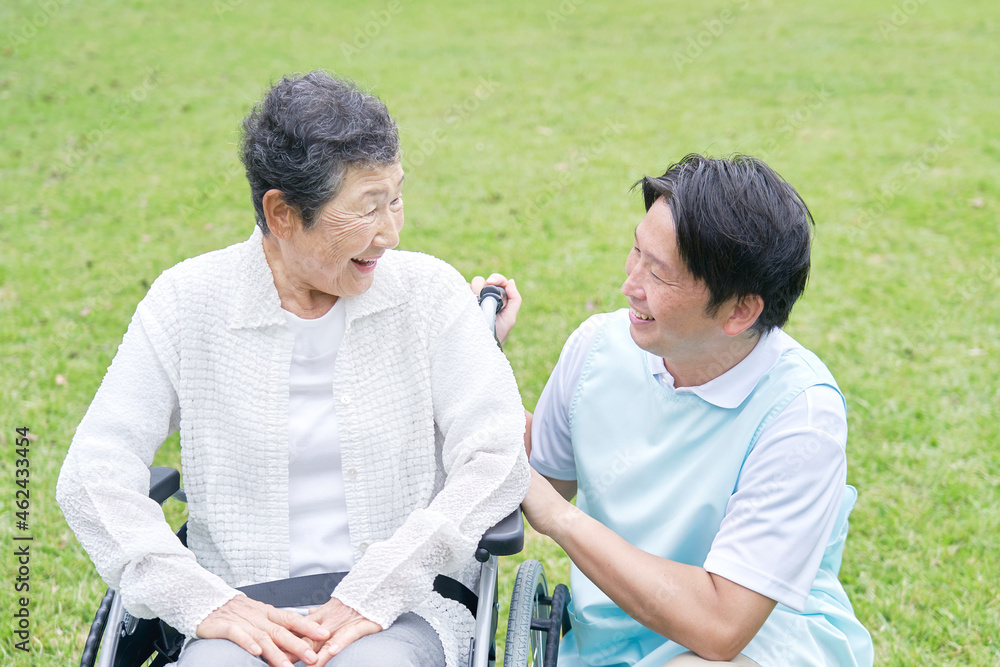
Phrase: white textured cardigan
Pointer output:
(431, 431)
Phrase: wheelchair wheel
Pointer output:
(526, 645)
(119, 640)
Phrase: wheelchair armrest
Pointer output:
(163, 483)
(504, 539)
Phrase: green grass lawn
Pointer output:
(523, 125)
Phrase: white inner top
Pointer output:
(319, 538)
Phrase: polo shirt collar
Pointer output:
(730, 389)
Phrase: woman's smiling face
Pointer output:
(339, 253)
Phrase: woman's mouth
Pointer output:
(639, 316)
(365, 265)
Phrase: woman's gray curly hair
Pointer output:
(303, 136)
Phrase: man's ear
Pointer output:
(744, 313)
(282, 219)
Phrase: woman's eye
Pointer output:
(397, 201)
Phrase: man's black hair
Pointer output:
(741, 229)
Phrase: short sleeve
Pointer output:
(551, 444)
(780, 517)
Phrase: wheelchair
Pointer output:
(535, 624)
(118, 639)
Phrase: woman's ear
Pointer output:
(744, 313)
(282, 219)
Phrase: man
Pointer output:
(705, 446)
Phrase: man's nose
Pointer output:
(630, 287)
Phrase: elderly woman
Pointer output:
(341, 407)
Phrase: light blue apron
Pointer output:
(659, 468)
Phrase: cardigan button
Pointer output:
(352, 473)
(363, 547)
(345, 399)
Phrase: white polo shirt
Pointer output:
(791, 484)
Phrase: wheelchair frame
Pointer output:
(112, 623)
(532, 639)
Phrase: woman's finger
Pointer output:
(345, 625)
(300, 625)
(274, 656)
(291, 644)
(352, 632)
(256, 642)
(276, 635)
(345, 636)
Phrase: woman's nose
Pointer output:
(388, 233)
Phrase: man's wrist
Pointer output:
(565, 521)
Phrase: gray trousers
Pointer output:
(409, 642)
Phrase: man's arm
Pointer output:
(505, 322)
(704, 612)
(565, 487)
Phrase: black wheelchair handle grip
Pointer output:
(497, 293)
(97, 631)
